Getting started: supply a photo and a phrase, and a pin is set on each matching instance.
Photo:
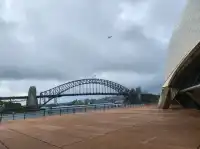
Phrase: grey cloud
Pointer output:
(64, 40)
(20, 73)
(163, 16)
(167, 12)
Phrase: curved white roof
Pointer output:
(185, 37)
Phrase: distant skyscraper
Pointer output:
(55, 101)
(138, 91)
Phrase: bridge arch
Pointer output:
(58, 90)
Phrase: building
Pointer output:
(182, 74)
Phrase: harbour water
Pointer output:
(60, 110)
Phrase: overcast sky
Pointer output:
(48, 42)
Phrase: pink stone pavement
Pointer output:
(126, 128)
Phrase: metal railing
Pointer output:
(61, 110)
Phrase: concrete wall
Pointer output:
(185, 37)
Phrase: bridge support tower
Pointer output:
(32, 102)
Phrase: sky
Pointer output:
(45, 43)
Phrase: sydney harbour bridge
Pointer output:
(92, 86)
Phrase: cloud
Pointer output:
(64, 40)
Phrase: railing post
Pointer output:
(1, 117)
(13, 114)
(85, 109)
(44, 112)
(104, 107)
(95, 107)
(60, 112)
(24, 115)
(74, 110)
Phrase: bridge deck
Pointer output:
(130, 128)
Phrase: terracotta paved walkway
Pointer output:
(128, 128)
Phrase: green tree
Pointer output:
(87, 101)
(1, 102)
(77, 102)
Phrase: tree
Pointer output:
(133, 97)
(77, 102)
(87, 101)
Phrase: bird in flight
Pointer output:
(109, 37)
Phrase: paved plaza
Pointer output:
(126, 128)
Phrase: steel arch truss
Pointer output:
(56, 91)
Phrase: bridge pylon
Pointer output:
(32, 102)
